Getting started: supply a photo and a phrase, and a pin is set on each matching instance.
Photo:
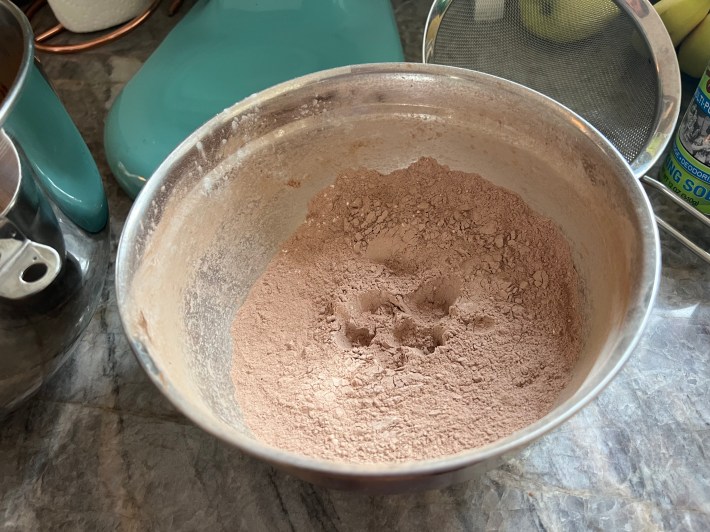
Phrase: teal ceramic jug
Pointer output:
(225, 50)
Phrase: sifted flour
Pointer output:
(413, 315)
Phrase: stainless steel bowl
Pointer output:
(216, 210)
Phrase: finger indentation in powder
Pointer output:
(413, 315)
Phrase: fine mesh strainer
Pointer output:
(610, 61)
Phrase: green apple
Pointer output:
(566, 21)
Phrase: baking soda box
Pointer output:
(687, 168)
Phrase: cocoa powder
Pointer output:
(412, 315)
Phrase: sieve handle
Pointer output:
(667, 193)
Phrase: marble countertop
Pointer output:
(99, 448)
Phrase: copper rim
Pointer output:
(41, 37)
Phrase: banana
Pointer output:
(694, 52)
(567, 21)
(680, 17)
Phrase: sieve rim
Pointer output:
(664, 59)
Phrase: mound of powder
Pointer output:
(412, 315)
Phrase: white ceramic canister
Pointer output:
(83, 16)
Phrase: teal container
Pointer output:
(58, 155)
(226, 50)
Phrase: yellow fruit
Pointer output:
(694, 53)
(681, 16)
(566, 21)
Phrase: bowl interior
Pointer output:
(217, 210)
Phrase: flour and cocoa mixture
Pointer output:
(413, 315)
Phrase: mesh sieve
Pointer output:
(610, 61)
(594, 57)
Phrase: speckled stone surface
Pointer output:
(100, 449)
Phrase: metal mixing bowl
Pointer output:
(217, 209)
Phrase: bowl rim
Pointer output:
(637, 316)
